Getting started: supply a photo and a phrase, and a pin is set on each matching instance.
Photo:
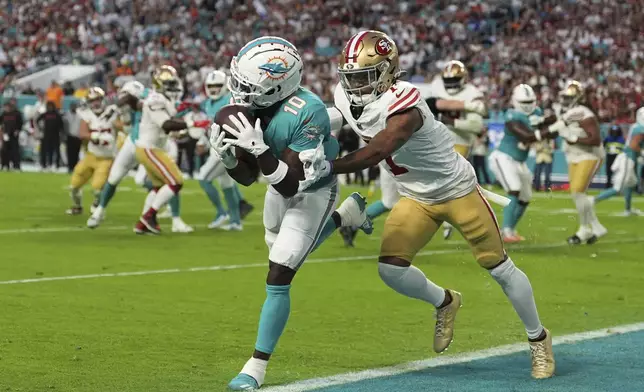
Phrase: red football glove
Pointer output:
(201, 124)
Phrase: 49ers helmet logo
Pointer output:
(383, 47)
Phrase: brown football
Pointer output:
(222, 118)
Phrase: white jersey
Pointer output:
(577, 152)
(157, 109)
(468, 93)
(103, 124)
(426, 167)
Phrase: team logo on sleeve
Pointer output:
(383, 47)
(312, 132)
(276, 68)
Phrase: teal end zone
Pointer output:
(614, 363)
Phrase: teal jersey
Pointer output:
(510, 144)
(299, 123)
(636, 129)
(136, 118)
(212, 106)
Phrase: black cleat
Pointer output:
(348, 235)
(574, 240)
(245, 208)
(592, 240)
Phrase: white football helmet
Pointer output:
(524, 99)
(639, 116)
(215, 84)
(265, 71)
(134, 88)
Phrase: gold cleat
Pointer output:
(543, 359)
(445, 317)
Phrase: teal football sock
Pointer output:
(232, 201)
(273, 318)
(239, 194)
(518, 212)
(606, 194)
(509, 213)
(376, 209)
(175, 206)
(213, 195)
(147, 184)
(329, 227)
(106, 194)
(628, 198)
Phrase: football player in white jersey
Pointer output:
(388, 187)
(579, 128)
(463, 126)
(436, 183)
(98, 128)
(157, 122)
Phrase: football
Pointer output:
(222, 118)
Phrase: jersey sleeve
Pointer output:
(404, 97)
(313, 127)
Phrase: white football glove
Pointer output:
(315, 165)
(94, 137)
(248, 137)
(475, 107)
(535, 120)
(221, 148)
(105, 138)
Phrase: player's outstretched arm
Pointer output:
(83, 130)
(400, 127)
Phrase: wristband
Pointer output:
(278, 175)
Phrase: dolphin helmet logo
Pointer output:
(276, 68)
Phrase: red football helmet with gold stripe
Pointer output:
(368, 66)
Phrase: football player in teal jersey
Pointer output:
(508, 161)
(625, 165)
(266, 75)
(218, 96)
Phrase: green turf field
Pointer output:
(178, 329)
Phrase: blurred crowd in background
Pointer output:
(503, 42)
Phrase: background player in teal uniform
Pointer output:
(218, 96)
(508, 161)
(625, 166)
(266, 74)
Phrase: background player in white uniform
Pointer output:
(266, 75)
(464, 126)
(98, 128)
(157, 122)
(579, 128)
(436, 183)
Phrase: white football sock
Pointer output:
(98, 212)
(163, 196)
(77, 197)
(148, 201)
(412, 282)
(517, 288)
(582, 203)
(256, 368)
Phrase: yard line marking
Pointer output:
(346, 378)
(263, 265)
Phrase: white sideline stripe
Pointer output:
(346, 378)
(263, 265)
(36, 230)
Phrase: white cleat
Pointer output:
(232, 227)
(218, 222)
(353, 213)
(179, 226)
(165, 214)
(95, 219)
(447, 231)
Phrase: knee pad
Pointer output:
(176, 188)
(503, 272)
